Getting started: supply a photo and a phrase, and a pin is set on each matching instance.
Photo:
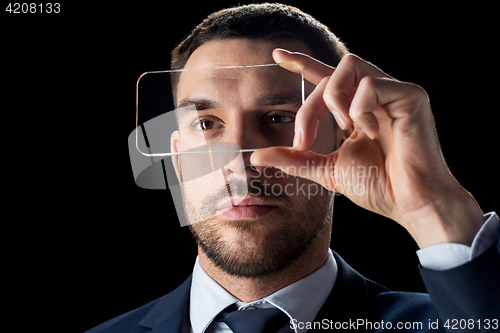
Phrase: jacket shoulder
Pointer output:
(167, 310)
(127, 322)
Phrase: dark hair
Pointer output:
(266, 21)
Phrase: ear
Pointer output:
(174, 148)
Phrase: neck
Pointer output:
(252, 289)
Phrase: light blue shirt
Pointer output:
(208, 298)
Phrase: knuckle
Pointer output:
(414, 93)
(419, 91)
(350, 59)
(368, 82)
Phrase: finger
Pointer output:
(314, 109)
(379, 98)
(343, 84)
(313, 70)
(308, 117)
(304, 164)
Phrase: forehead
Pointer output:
(237, 83)
(237, 51)
(225, 83)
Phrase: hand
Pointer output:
(393, 136)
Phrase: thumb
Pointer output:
(304, 164)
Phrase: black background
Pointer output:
(93, 245)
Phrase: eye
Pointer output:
(279, 119)
(205, 124)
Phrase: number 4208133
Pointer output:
(33, 8)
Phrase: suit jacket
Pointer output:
(468, 294)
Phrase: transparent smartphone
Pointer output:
(189, 125)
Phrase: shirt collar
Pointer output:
(300, 300)
(207, 299)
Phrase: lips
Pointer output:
(248, 208)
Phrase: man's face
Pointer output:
(255, 222)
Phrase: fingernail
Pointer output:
(297, 140)
(341, 121)
(282, 49)
(254, 162)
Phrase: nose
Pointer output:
(244, 133)
(240, 166)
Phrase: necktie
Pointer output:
(270, 320)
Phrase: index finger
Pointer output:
(313, 70)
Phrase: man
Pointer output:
(264, 264)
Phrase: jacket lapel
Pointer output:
(168, 314)
(350, 297)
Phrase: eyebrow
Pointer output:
(293, 97)
(200, 104)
